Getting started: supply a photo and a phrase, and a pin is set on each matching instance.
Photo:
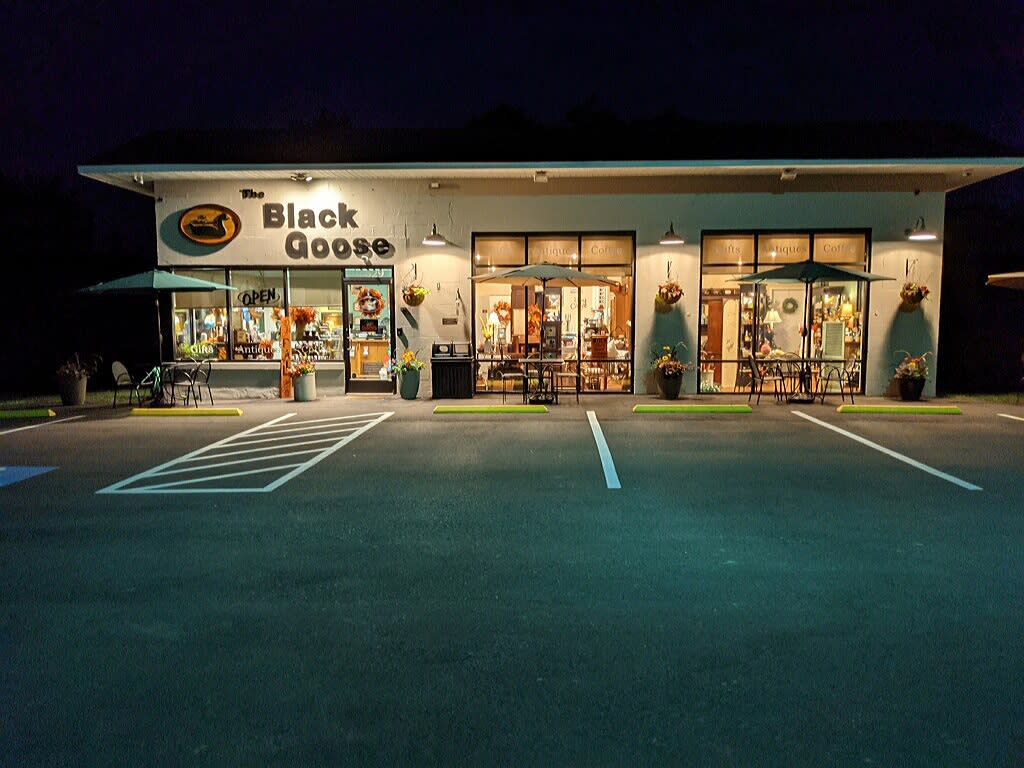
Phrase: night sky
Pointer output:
(80, 78)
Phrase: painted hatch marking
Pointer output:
(257, 460)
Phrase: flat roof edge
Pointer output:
(1001, 162)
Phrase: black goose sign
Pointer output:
(209, 224)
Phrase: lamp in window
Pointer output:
(846, 310)
(920, 232)
(434, 239)
(670, 237)
(771, 317)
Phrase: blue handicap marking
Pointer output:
(10, 475)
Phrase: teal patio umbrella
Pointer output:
(808, 273)
(153, 282)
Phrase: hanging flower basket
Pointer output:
(911, 296)
(413, 295)
(670, 292)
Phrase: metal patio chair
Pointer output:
(124, 380)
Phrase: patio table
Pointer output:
(546, 391)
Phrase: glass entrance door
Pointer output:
(369, 329)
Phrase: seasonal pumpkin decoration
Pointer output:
(369, 302)
(414, 294)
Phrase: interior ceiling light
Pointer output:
(920, 231)
(670, 237)
(435, 239)
(788, 174)
(303, 177)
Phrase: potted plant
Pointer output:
(669, 370)
(408, 372)
(414, 294)
(911, 296)
(73, 376)
(911, 374)
(304, 380)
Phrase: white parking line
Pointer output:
(44, 424)
(611, 477)
(892, 453)
(1008, 416)
(223, 453)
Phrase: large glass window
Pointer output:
(257, 308)
(740, 320)
(201, 319)
(314, 297)
(591, 328)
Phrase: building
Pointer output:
(336, 230)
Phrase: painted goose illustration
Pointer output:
(203, 227)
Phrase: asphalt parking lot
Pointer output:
(364, 582)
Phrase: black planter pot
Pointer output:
(910, 389)
(668, 386)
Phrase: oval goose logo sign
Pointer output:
(210, 224)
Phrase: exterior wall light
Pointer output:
(303, 177)
(920, 231)
(788, 174)
(434, 239)
(670, 237)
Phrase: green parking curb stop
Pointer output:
(186, 411)
(949, 410)
(490, 409)
(692, 409)
(30, 413)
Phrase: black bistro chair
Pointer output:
(759, 377)
(182, 382)
(124, 380)
(202, 379)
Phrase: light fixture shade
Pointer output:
(921, 232)
(772, 316)
(303, 177)
(493, 319)
(670, 237)
(434, 239)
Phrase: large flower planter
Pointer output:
(910, 389)
(304, 388)
(668, 386)
(409, 385)
(72, 389)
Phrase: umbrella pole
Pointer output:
(159, 333)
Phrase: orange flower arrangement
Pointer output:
(533, 319)
(303, 314)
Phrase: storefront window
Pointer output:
(200, 319)
(593, 334)
(315, 297)
(256, 313)
(740, 320)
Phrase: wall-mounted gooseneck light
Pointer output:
(434, 239)
(670, 237)
(920, 232)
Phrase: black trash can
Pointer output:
(451, 369)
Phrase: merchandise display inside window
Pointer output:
(201, 319)
(205, 327)
(589, 329)
(256, 314)
(315, 300)
(767, 319)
